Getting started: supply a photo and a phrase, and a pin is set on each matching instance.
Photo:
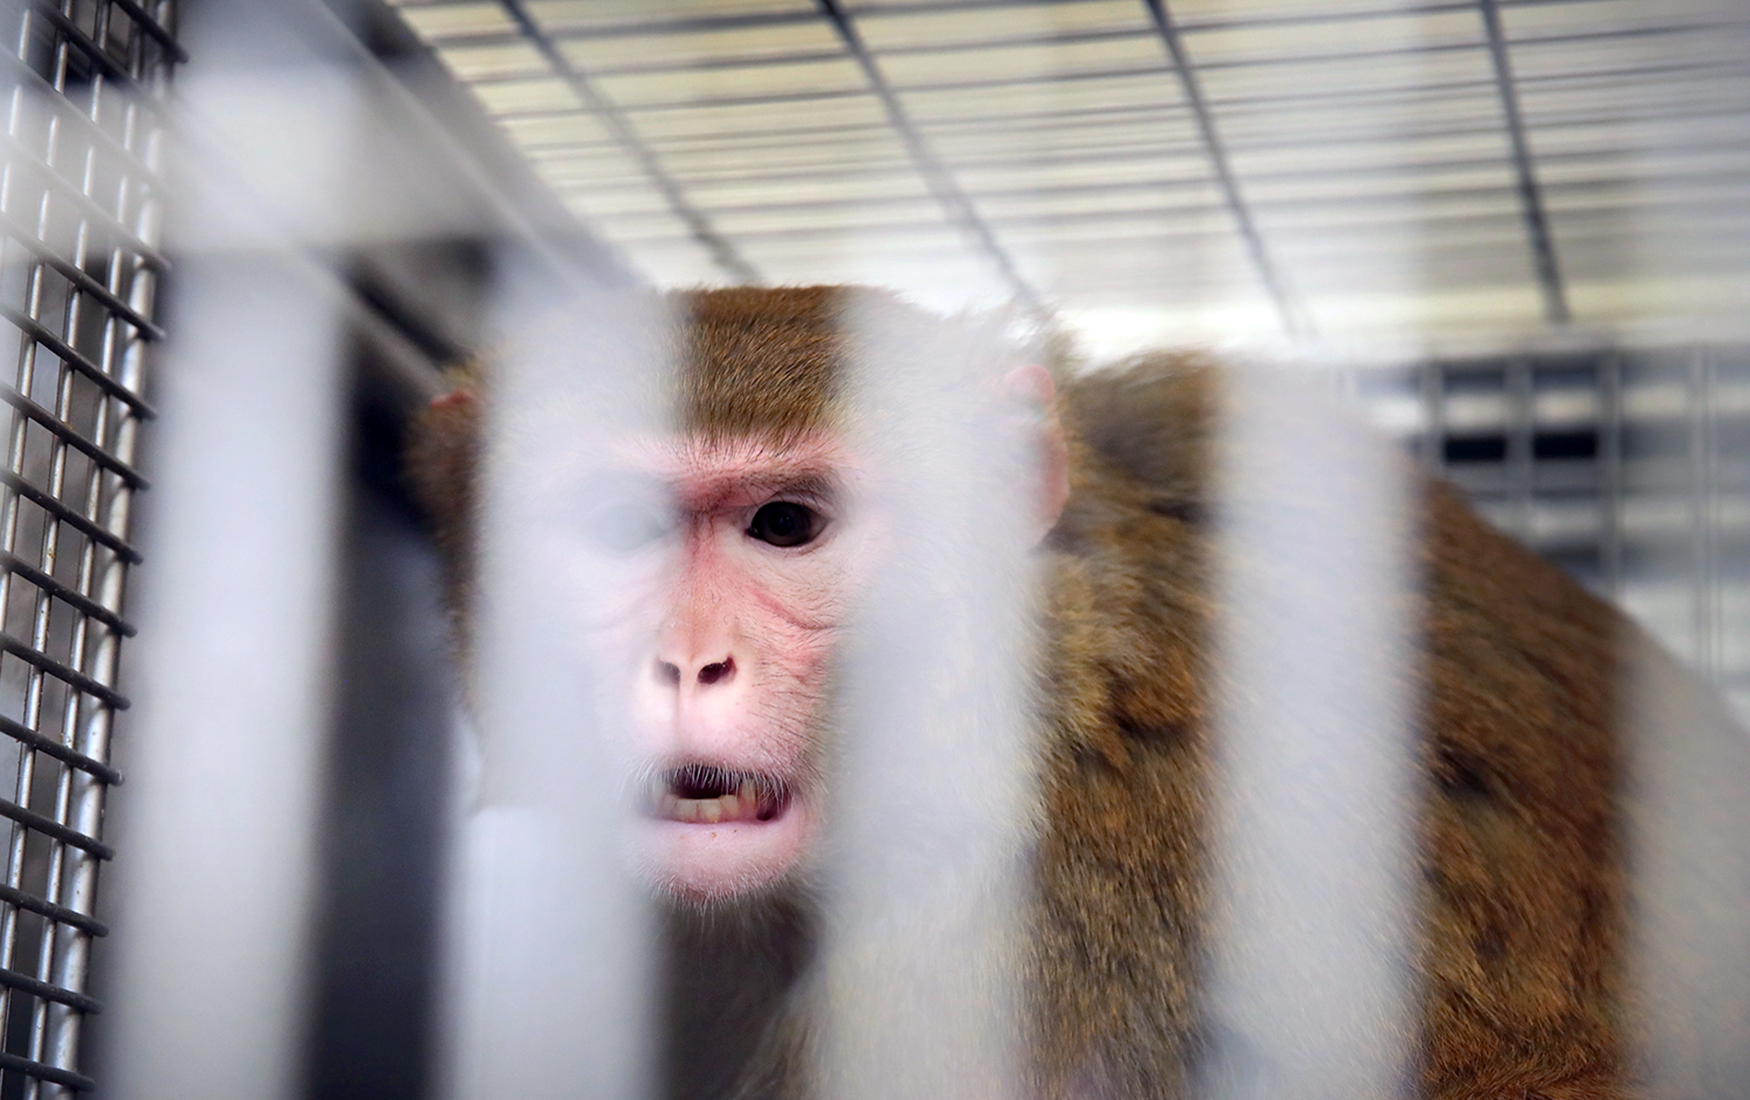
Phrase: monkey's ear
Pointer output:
(1032, 386)
(460, 396)
(442, 463)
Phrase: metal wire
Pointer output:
(79, 197)
(1543, 249)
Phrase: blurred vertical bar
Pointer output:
(1520, 485)
(1685, 461)
(1610, 473)
(933, 780)
(1309, 988)
(1310, 992)
(215, 899)
(1704, 516)
(1688, 819)
(549, 982)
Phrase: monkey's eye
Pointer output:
(785, 523)
(623, 526)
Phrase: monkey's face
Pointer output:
(712, 579)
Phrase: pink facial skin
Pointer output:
(718, 641)
(715, 644)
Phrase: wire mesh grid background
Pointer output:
(79, 206)
(1186, 166)
(1630, 469)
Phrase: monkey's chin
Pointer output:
(707, 864)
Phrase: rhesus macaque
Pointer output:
(1524, 911)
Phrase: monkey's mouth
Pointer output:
(707, 795)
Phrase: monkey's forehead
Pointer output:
(779, 359)
(682, 452)
(744, 372)
(704, 471)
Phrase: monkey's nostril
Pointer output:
(717, 670)
(668, 672)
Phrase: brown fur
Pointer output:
(1523, 906)
(760, 361)
(1524, 898)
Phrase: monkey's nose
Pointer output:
(715, 672)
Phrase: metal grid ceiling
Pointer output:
(79, 268)
(1158, 169)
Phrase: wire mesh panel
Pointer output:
(79, 207)
(1625, 467)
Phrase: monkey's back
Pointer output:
(1523, 904)
(1523, 856)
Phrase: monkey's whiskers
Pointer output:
(709, 795)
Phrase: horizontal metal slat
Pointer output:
(12, 563)
(51, 747)
(49, 97)
(13, 980)
(81, 363)
(58, 913)
(39, 1070)
(58, 509)
(18, 156)
(49, 827)
(70, 435)
(79, 277)
(77, 38)
(67, 673)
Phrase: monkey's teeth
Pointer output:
(678, 796)
(743, 804)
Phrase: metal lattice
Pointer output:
(1631, 469)
(1466, 166)
(80, 202)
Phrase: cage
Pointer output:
(1510, 233)
(83, 202)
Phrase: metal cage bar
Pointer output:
(79, 274)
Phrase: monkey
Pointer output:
(1524, 903)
